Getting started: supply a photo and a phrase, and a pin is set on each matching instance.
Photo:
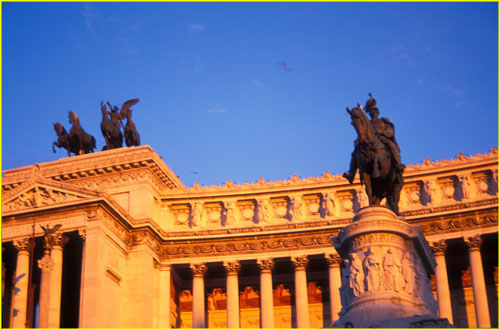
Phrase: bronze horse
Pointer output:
(112, 134)
(80, 140)
(371, 152)
(62, 140)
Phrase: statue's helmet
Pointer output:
(371, 104)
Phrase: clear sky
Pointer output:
(241, 91)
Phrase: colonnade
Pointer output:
(265, 266)
(478, 283)
(50, 288)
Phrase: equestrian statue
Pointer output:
(377, 156)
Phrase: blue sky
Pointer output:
(218, 103)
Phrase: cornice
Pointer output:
(327, 180)
(96, 165)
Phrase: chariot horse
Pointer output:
(62, 140)
(112, 134)
(80, 140)
(369, 153)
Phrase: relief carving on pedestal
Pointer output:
(384, 268)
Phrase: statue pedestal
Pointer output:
(385, 274)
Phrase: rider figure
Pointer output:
(384, 129)
(115, 116)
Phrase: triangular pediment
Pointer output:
(39, 192)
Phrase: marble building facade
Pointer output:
(137, 248)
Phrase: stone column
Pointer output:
(301, 303)
(266, 293)
(335, 283)
(56, 280)
(478, 285)
(20, 299)
(46, 264)
(233, 294)
(198, 294)
(442, 287)
(165, 275)
(83, 236)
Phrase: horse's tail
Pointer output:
(92, 147)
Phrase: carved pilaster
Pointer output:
(198, 269)
(232, 267)
(474, 242)
(300, 262)
(265, 264)
(333, 259)
(439, 247)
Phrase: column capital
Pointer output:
(232, 267)
(439, 247)
(46, 263)
(60, 239)
(474, 242)
(333, 259)
(198, 269)
(22, 244)
(265, 264)
(82, 232)
(299, 261)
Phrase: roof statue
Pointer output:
(377, 156)
(78, 138)
(110, 128)
(80, 142)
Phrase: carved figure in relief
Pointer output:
(376, 155)
(296, 208)
(263, 213)
(196, 214)
(229, 213)
(356, 276)
(373, 271)
(392, 271)
(329, 204)
(345, 293)
(408, 271)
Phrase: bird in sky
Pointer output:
(283, 65)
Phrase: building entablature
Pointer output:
(446, 198)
